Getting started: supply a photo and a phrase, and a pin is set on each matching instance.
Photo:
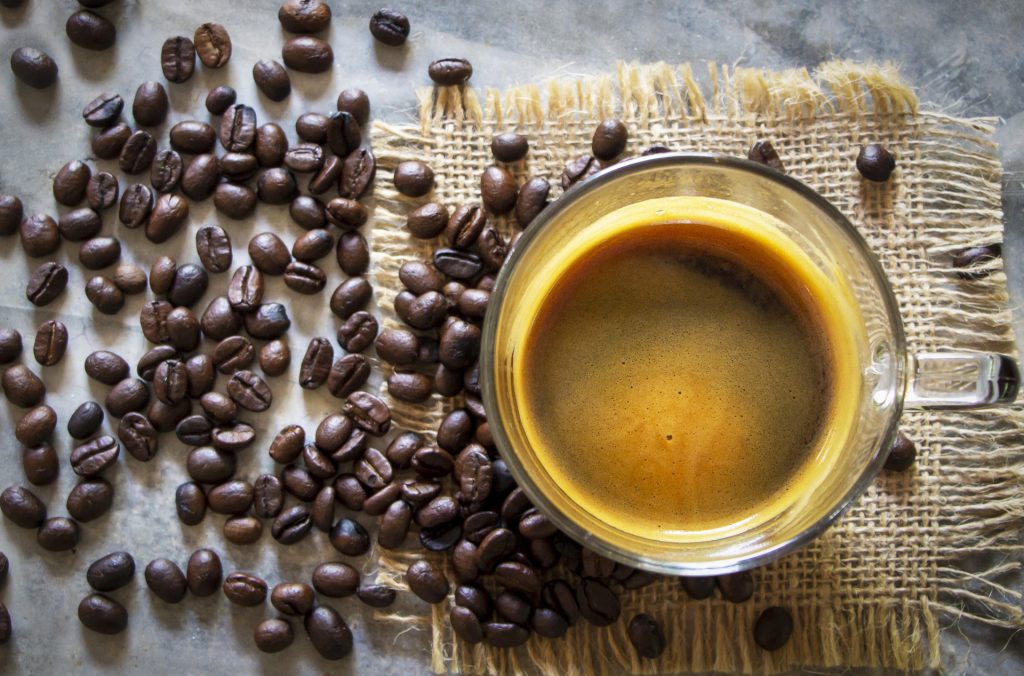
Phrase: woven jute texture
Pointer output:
(921, 549)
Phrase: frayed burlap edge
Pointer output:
(971, 485)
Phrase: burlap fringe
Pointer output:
(898, 632)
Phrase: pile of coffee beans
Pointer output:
(511, 573)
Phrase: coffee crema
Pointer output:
(685, 370)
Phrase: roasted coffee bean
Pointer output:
(773, 628)
(368, 412)
(245, 291)
(220, 321)
(307, 54)
(273, 635)
(190, 503)
(357, 174)
(178, 58)
(559, 596)
(518, 577)
(34, 67)
(353, 253)
(505, 634)
(509, 147)
(451, 71)
(305, 158)
(288, 443)
(191, 136)
(249, 391)
(328, 633)
(170, 381)
(308, 212)
(347, 214)
(232, 497)
(427, 581)
(479, 525)
(138, 153)
(50, 344)
(22, 387)
(57, 534)
(312, 246)
(164, 418)
(595, 565)
(464, 564)
(210, 466)
(351, 296)
(422, 312)
(466, 625)
(609, 140)
(376, 595)
(46, 283)
(214, 248)
(473, 303)
(394, 525)
(498, 190)
(358, 331)
(400, 451)
(271, 145)
(183, 329)
(350, 538)
(238, 128)
(10, 345)
(244, 589)
(534, 525)
(373, 470)
(398, 347)
(578, 170)
(432, 463)
(322, 512)
(269, 254)
(102, 614)
(136, 205)
(106, 367)
(200, 177)
(92, 457)
(234, 353)
(457, 264)
(234, 201)
(763, 152)
(312, 210)
(410, 387)
(698, 587)
(242, 530)
(312, 127)
(292, 525)
(413, 178)
(272, 79)
(316, 364)
(420, 492)
(343, 134)
(356, 103)
(875, 163)
(129, 277)
(513, 607)
(138, 436)
(153, 320)
(441, 510)
(213, 44)
(318, 462)
(111, 572)
(168, 216)
(40, 235)
(902, 454)
(165, 579)
(598, 604)
(220, 98)
(102, 190)
(194, 430)
(99, 252)
(107, 143)
(268, 496)
(475, 475)
(495, 547)
(646, 636)
(389, 27)
(736, 587)
(203, 572)
(492, 249)
(350, 492)
(335, 579)
(22, 507)
(459, 344)
(275, 357)
(150, 105)
(11, 213)
(41, 464)
(304, 16)
(465, 226)
(79, 225)
(236, 436)
(189, 285)
(419, 277)
(90, 30)
(300, 483)
(428, 221)
(200, 376)
(268, 321)
(71, 182)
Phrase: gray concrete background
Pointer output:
(966, 57)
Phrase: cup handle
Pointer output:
(945, 380)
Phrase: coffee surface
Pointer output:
(677, 378)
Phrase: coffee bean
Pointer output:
(71, 182)
(350, 538)
(736, 587)
(269, 254)
(221, 97)
(609, 139)
(292, 525)
(102, 614)
(466, 625)
(773, 628)
(90, 30)
(10, 345)
(101, 191)
(138, 436)
(57, 534)
(22, 387)
(413, 178)
(268, 321)
(244, 589)
(136, 205)
(357, 174)
(328, 633)
(496, 546)
(107, 143)
(170, 381)
(902, 454)
(347, 214)
(168, 216)
(183, 329)
(350, 492)
(92, 457)
(450, 72)
(272, 79)
(465, 226)
(389, 27)
(475, 475)
(44, 285)
(646, 636)
(313, 245)
(423, 312)
(410, 387)
(312, 127)
(335, 579)
(78, 225)
(200, 376)
(304, 158)
(138, 153)
(11, 213)
(698, 587)
(178, 58)
(479, 525)
(214, 248)
(376, 595)
(165, 579)
(432, 463)
(351, 295)
(242, 530)
(473, 303)
(763, 152)
(418, 492)
(213, 45)
(598, 604)
(292, 598)
(505, 634)
(150, 105)
(457, 264)
(318, 462)
(238, 128)
(111, 572)
(201, 177)
(343, 134)
(271, 145)
(41, 464)
(398, 347)
(275, 357)
(268, 496)
(400, 451)
(203, 572)
(34, 67)
(194, 430)
(578, 170)
(307, 54)
(234, 201)
(210, 466)
(190, 503)
(22, 507)
(188, 286)
(464, 564)
(50, 344)
(394, 525)
(191, 136)
(498, 190)
(428, 221)
(875, 163)
(288, 443)
(40, 235)
(368, 412)
(518, 577)
(273, 635)
(304, 16)
(513, 607)
(232, 497)
(249, 391)
(358, 331)
(558, 595)
(427, 581)
(99, 252)
(106, 367)
(459, 344)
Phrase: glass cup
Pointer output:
(891, 379)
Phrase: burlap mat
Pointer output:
(877, 587)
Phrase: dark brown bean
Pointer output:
(78, 225)
(168, 216)
(413, 178)
(358, 331)
(427, 221)
(307, 54)
(46, 283)
(275, 357)
(357, 174)
(496, 546)
(457, 264)
(450, 71)
(304, 16)
(609, 140)
(150, 105)
(763, 152)
(272, 79)
(328, 633)
(902, 454)
(288, 443)
(50, 343)
(698, 587)
(432, 462)
(107, 143)
(90, 30)
(268, 321)
(313, 245)
(22, 387)
(201, 177)
(249, 391)
(106, 367)
(876, 163)
(213, 44)
(138, 436)
(22, 507)
(242, 530)
(376, 595)
(244, 589)
(220, 98)
(190, 503)
(214, 248)
(350, 538)
(111, 572)
(773, 628)
(505, 634)
(210, 466)
(99, 252)
(646, 636)
(498, 190)
(165, 579)
(178, 58)
(71, 182)
(598, 604)
(58, 534)
(41, 464)
(136, 206)
(34, 67)
(138, 153)
(273, 635)
(335, 579)
(269, 254)
(204, 572)
(292, 525)
(736, 587)
(234, 201)
(238, 128)
(101, 614)
(40, 235)
(102, 191)
(427, 581)
(409, 386)
(368, 412)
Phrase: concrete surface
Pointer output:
(965, 57)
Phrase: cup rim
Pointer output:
(595, 183)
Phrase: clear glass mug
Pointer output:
(891, 379)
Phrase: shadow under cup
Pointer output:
(875, 344)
